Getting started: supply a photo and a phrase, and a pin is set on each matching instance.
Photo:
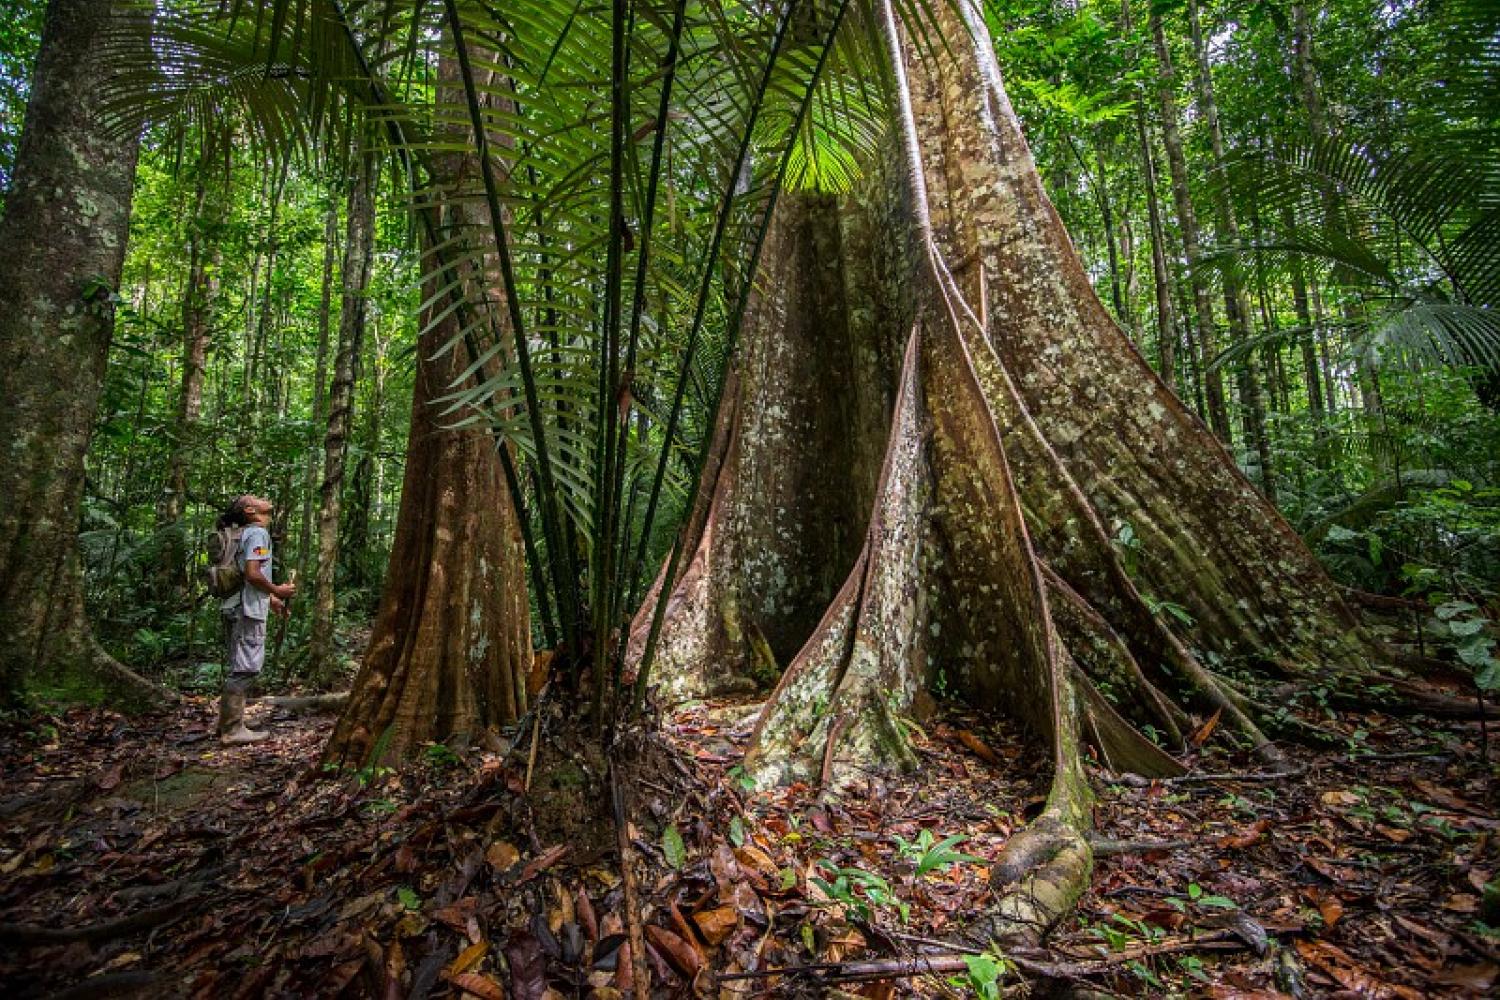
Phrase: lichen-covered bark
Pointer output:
(63, 237)
(1208, 540)
(1028, 432)
(841, 699)
(779, 532)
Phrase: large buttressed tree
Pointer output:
(64, 231)
(1026, 433)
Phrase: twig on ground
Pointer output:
(639, 976)
(1104, 847)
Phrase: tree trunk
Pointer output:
(1236, 303)
(359, 242)
(775, 533)
(1187, 224)
(1166, 325)
(1025, 423)
(451, 649)
(320, 387)
(67, 217)
(199, 295)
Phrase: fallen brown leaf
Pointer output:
(979, 748)
(481, 986)
(716, 924)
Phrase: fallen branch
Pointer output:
(1136, 781)
(1104, 847)
(111, 984)
(305, 703)
(33, 934)
(948, 963)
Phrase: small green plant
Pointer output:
(381, 807)
(408, 898)
(984, 975)
(1464, 624)
(930, 854)
(441, 755)
(858, 893)
(672, 847)
(1197, 897)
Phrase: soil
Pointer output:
(138, 857)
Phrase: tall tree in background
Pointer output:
(1187, 224)
(200, 290)
(1236, 302)
(64, 233)
(359, 243)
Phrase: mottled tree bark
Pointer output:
(451, 646)
(1028, 431)
(63, 233)
(798, 442)
(359, 242)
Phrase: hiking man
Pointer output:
(243, 614)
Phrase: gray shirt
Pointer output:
(255, 546)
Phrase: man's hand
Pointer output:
(278, 606)
(284, 592)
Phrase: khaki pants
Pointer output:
(244, 648)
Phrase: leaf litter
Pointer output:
(138, 857)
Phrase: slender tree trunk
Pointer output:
(1236, 303)
(320, 382)
(358, 255)
(360, 511)
(199, 295)
(1166, 325)
(1187, 224)
(64, 230)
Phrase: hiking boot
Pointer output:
(232, 729)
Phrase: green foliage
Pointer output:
(985, 973)
(930, 855)
(672, 847)
(859, 894)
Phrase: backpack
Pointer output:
(223, 575)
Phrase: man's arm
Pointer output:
(257, 579)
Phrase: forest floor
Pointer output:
(138, 857)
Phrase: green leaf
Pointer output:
(1466, 626)
(409, 898)
(673, 847)
(737, 832)
(1488, 679)
(1451, 609)
(1477, 653)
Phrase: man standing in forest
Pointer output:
(244, 613)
